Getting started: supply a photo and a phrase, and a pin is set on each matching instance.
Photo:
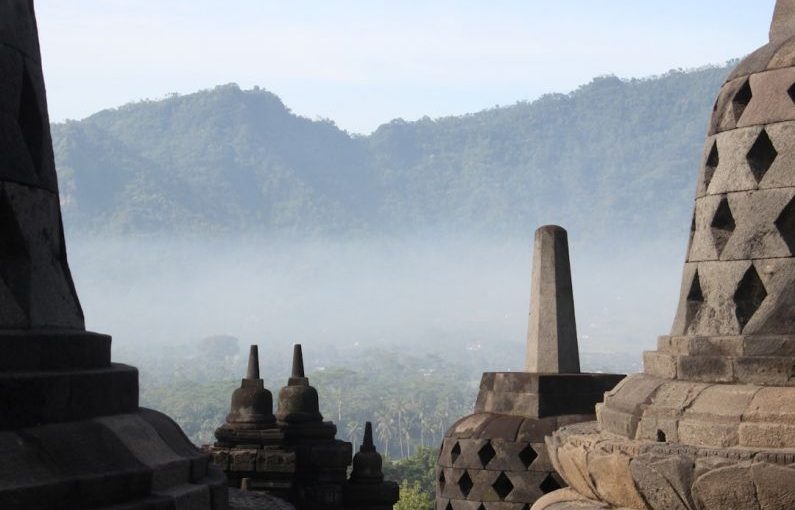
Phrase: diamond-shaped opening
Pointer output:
(442, 481)
(761, 156)
(786, 225)
(465, 484)
(741, 100)
(711, 165)
(722, 225)
(486, 453)
(661, 436)
(749, 296)
(455, 452)
(30, 121)
(502, 486)
(549, 484)
(695, 298)
(527, 456)
(791, 93)
(449, 506)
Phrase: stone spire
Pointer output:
(298, 401)
(36, 288)
(252, 403)
(253, 363)
(367, 464)
(74, 435)
(552, 331)
(783, 25)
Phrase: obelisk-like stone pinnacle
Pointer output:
(298, 361)
(552, 331)
(253, 363)
(367, 442)
(783, 25)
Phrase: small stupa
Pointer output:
(294, 454)
(366, 489)
(495, 459)
(710, 423)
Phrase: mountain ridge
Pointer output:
(225, 160)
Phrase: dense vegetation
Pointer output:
(612, 155)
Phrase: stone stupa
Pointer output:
(71, 432)
(710, 424)
(495, 459)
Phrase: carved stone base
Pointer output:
(642, 475)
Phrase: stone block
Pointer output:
(724, 403)
(766, 435)
(331, 455)
(704, 368)
(635, 391)
(275, 461)
(617, 422)
(659, 365)
(728, 487)
(775, 486)
(763, 370)
(779, 345)
(534, 430)
(612, 479)
(470, 425)
(220, 457)
(771, 102)
(664, 481)
(242, 459)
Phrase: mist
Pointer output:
(456, 296)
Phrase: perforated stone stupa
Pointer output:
(710, 424)
(71, 432)
(495, 459)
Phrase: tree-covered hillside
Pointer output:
(615, 155)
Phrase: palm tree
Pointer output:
(353, 430)
(384, 426)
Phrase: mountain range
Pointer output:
(615, 156)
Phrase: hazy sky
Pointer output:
(362, 63)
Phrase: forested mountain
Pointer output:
(614, 155)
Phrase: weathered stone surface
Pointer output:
(552, 332)
(711, 425)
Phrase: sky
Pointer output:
(363, 63)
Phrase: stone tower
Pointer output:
(71, 431)
(495, 459)
(295, 455)
(710, 424)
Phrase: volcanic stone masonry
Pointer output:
(710, 424)
(71, 432)
(495, 459)
(294, 455)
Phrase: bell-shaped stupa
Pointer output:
(710, 424)
(496, 458)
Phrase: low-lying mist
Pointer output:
(454, 296)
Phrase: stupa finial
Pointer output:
(298, 362)
(253, 363)
(783, 25)
(552, 332)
